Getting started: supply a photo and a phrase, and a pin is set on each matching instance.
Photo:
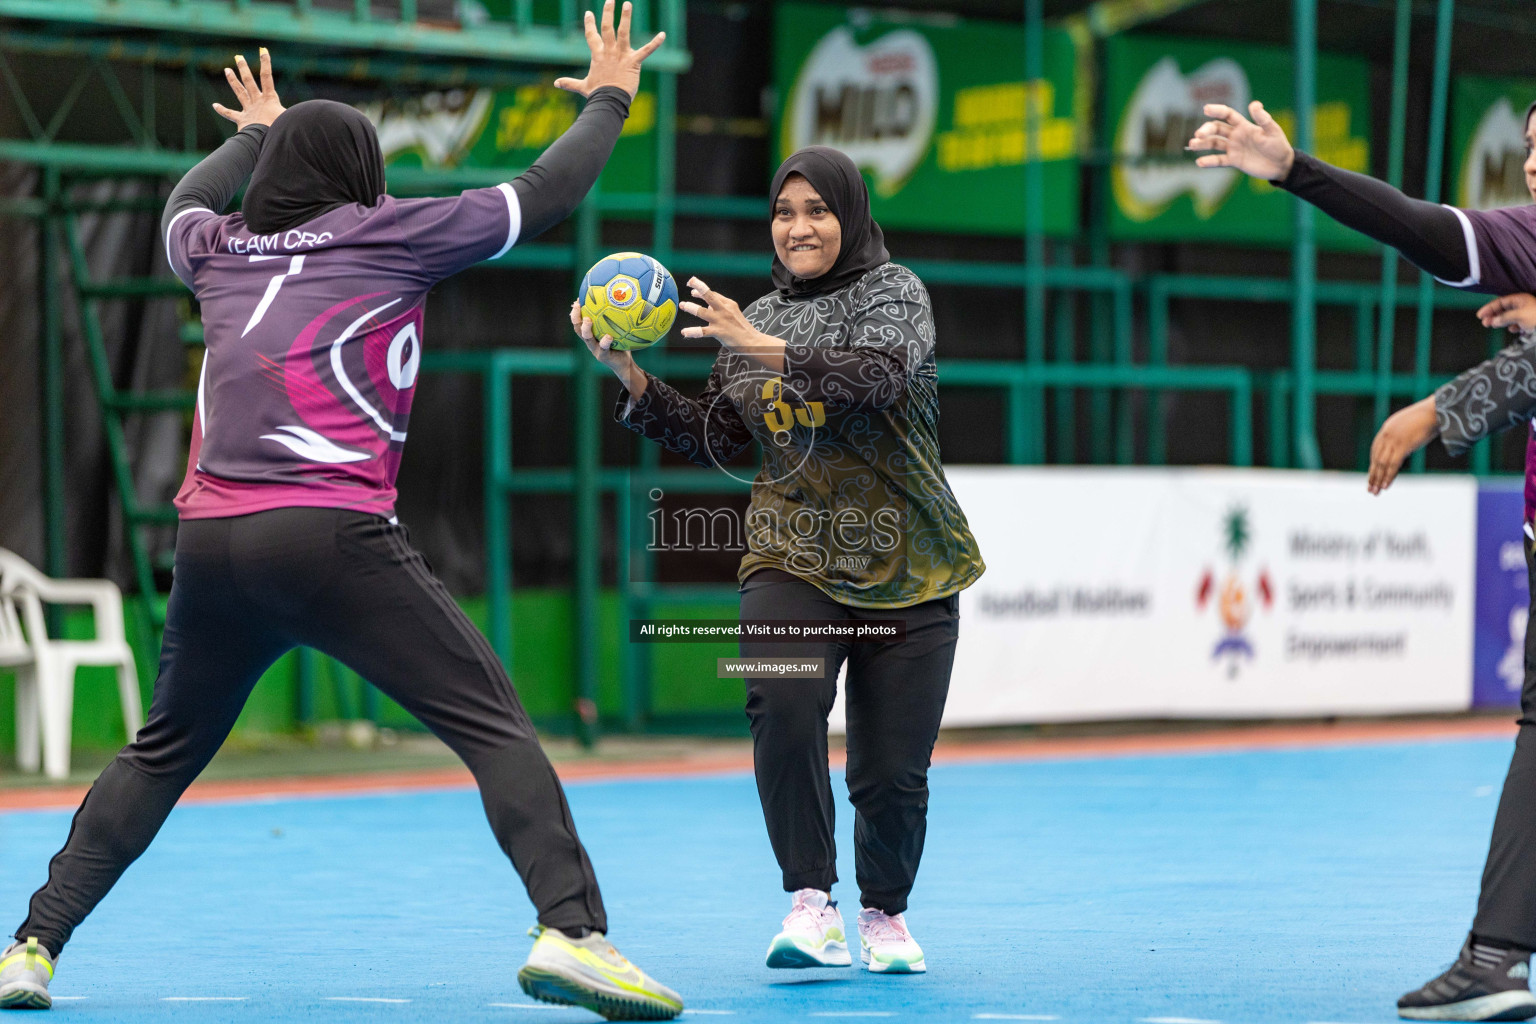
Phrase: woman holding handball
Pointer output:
(850, 519)
(311, 299)
(1492, 251)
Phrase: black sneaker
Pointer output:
(1482, 984)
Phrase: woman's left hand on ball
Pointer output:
(723, 319)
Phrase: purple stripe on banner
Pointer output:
(1503, 598)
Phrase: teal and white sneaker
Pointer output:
(813, 934)
(589, 972)
(25, 971)
(885, 945)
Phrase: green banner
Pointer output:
(933, 110)
(1155, 88)
(508, 128)
(1488, 141)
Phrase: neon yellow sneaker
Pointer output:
(589, 972)
(25, 971)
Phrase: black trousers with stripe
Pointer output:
(250, 588)
(1506, 908)
(894, 701)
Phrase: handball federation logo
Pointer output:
(1234, 599)
(622, 292)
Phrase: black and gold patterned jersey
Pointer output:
(1494, 395)
(851, 495)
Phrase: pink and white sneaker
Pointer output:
(885, 945)
(813, 934)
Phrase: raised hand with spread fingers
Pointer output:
(614, 61)
(1258, 147)
(258, 100)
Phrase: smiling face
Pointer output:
(806, 233)
(1530, 155)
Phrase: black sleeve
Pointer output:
(561, 177)
(1428, 235)
(217, 177)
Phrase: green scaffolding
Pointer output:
(362, 45)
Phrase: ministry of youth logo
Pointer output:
(1235, 592)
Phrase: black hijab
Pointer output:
(833, 175)
(318, 156)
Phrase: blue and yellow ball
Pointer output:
(630, 296)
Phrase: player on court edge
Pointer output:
(1479, 250)
(312, 302)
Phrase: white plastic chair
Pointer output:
(16, 654)
(45, 670)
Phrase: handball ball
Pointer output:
(630, 296)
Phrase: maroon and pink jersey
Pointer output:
(313, 341)
(1501, 249)
(1498, 393)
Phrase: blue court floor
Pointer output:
(1279, 886)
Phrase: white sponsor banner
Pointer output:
(1134, 593)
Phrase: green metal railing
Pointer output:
(368, 32)
(1019, 382)
(192, 38)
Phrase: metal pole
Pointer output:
(666, 166)
(1388, 314)
(1157, 355)
(1034, 218)
(634, 558)
(1444, 16)
(497, 388)
(55, 526)
(1303, 247)
(1101, 323)
(1065, 352)
(1124, 338)
(1365, 332)
(585, 497)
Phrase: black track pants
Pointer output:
(1506, 909)
(894, 700)
(247, 590)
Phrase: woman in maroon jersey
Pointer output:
(1482, 250)
(311, 298)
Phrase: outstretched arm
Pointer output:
(1405, 432)
(451, 233)
(551, 189)
(1494, 395)
(1431, 237)
(217, 177)
(561, 177)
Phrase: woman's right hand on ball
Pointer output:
(620, 362)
